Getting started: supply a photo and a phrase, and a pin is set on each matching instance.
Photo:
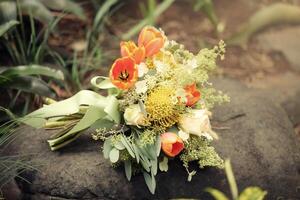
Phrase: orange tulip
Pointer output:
(171, 144)
(124, 73)
(192, 94)
(152, 39)
(130, 49)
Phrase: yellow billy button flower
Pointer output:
(171, 144)
(124, 73)
(131, 50)
(152, 39)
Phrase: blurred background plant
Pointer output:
(249, 193)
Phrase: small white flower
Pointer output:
(142, 69)
(183, 135)
(160, 66)
(192, 63)
(141, 87)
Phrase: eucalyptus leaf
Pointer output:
(154, 167)
(158, 145)
(163, 165)
(136, 152)
(128, 169)
(114, 155)
(150, 182)
(127, 145)
(119, 145)
(107, 147)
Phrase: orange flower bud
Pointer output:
(130, 49)
(124, 73)
(152, 39)
(192, 94)
(171, 144)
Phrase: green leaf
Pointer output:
(157, 12)
(65, 5)
(127, 145)
(119, 145)
(277, 13)
(252, 193)
(114, 155)
(128, 170)
(150, 182)
(163, 165)
(37, 10)
(158, 145)
(218, 195)
(154, 167)
(31, 85)
(8, 11)
(107, 147)
(136, 152)
(10, 72)
(7, 26)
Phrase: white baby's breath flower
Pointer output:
(183, 135)
(142, 69)
(192, 63)
(160, 66)
(141, 87)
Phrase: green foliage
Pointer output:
(250, 193)
(277, 13)
(7, 26)
(207, 7)
(11, 166)
(39, 9)
(199, 149)
(152, 13)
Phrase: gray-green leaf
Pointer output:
(114, 155)
(128, 170)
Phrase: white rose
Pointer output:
(134, 116)
(197, 123)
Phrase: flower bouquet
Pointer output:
(156, 108)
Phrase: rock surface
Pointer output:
(259, 140)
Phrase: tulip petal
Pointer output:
(139, 55)
(154, 46)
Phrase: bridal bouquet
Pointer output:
(156, 108)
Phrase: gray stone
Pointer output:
(259, 140)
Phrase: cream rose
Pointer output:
(197, 123)
(134, 116)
